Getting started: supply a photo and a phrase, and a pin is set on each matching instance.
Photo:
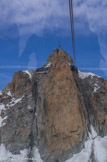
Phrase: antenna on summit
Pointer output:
(59, 45)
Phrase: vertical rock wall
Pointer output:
(62, 110)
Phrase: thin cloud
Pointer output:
(18, 67)
(34, 16)
(4, 76)
(35, 67)
(94, 69)
(32, 61)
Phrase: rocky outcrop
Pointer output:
(52, 109)
(18, 103)
(62, 112)
(94, 90)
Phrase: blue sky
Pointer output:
(31, 29)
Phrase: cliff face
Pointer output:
(52, 110)
(64, 110)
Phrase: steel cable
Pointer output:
(72, 28)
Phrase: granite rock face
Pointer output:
(53, 109)
(18, 103)
(64, 114)
(94, 91)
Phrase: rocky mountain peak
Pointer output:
(61, 54)
(62, 99)
(54, 113)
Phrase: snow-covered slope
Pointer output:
(6, 156)
(95, 149)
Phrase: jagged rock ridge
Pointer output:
(53, 109)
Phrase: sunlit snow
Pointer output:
(9, 93)
(48, 65)
(96, 144)
(2, 107)
(0, 93)
(5, 155)
(83, 75)
(96, 88)
(36, 155)
(27, 72)
(13, 102)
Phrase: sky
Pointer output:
(31, 29)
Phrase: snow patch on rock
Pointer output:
(28, 72)
(96, 88)
(9, 93)
(2, 123)
(30, 107)
(14, 101)
(0, 93)
(100, 149)
(95, 144)
(83, 75)
(48, 65)
(84, 155)
(5, 155)
(69, 63)
(36, 155)
(2, 107)
(93, 132)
